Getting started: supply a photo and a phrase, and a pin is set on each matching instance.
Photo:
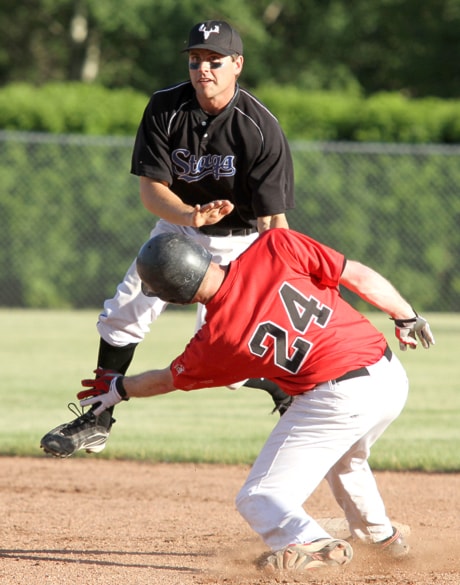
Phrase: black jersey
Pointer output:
(241, 154)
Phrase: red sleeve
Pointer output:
(307, 256)
(190, 370)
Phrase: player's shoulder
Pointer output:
(281, 233)
(286, 238)
(253, 106)
(172, 96)
(275, 245)
(259, 118)
(276, 237)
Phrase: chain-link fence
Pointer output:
(71, 220)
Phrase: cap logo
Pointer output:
(207, 32)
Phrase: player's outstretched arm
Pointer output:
(151, 383)
(158, 198)
(378, 291)
(109, 388)
(375, 289)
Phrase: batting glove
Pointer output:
(407, 329)
(105, 390)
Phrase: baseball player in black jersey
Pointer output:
(213, 164)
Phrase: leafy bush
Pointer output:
(77, 108)
(71, 108)
(384, 117)
(71, 220)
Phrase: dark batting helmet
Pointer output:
(171, 267)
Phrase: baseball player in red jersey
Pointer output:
(198, 140)
(293, 328)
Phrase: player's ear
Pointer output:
(238, 61)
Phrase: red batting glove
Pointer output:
(106, 391)
(99, 385)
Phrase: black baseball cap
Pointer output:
(215, 35)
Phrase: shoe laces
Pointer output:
(74, 409)
(80, 414)
(86, 417)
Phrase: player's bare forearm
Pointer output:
(268, 222)
(151, 383)
(158, 198)
(375, 289)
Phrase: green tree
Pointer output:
(117, 43)
(403, 45)
(353, 45)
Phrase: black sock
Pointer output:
(115, 358)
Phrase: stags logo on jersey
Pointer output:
(208, 31)
(189, 168)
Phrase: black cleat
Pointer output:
(87, 431)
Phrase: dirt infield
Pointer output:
(88, 521)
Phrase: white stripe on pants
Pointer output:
(326, 433)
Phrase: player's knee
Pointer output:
(250, 504)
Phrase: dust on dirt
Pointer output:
(90, 521)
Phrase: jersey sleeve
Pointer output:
(194, 369)
(272, 177)
(151, 157)
(308, 256)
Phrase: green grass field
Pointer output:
(45, 354)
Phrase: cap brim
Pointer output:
(214, 48)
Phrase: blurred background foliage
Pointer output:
(71, 220)
(357, 46)
(73, 107)
(342, 76)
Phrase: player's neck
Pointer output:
(217, 104)
(212, 281)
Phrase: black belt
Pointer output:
(213, 230)
(362, 371)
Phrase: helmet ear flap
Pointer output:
(146, 291)
(172, 267)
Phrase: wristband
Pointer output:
(120, 388)
(405, 322)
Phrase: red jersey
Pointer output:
(279, 315)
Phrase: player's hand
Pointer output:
(211, 213)
(407, 331)
(105, 390)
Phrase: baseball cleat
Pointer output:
(325, 552)
(88, 432)
(395, 545)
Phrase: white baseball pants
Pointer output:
(326, 433)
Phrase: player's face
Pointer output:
(214, 77)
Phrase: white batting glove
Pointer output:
(407, 329)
